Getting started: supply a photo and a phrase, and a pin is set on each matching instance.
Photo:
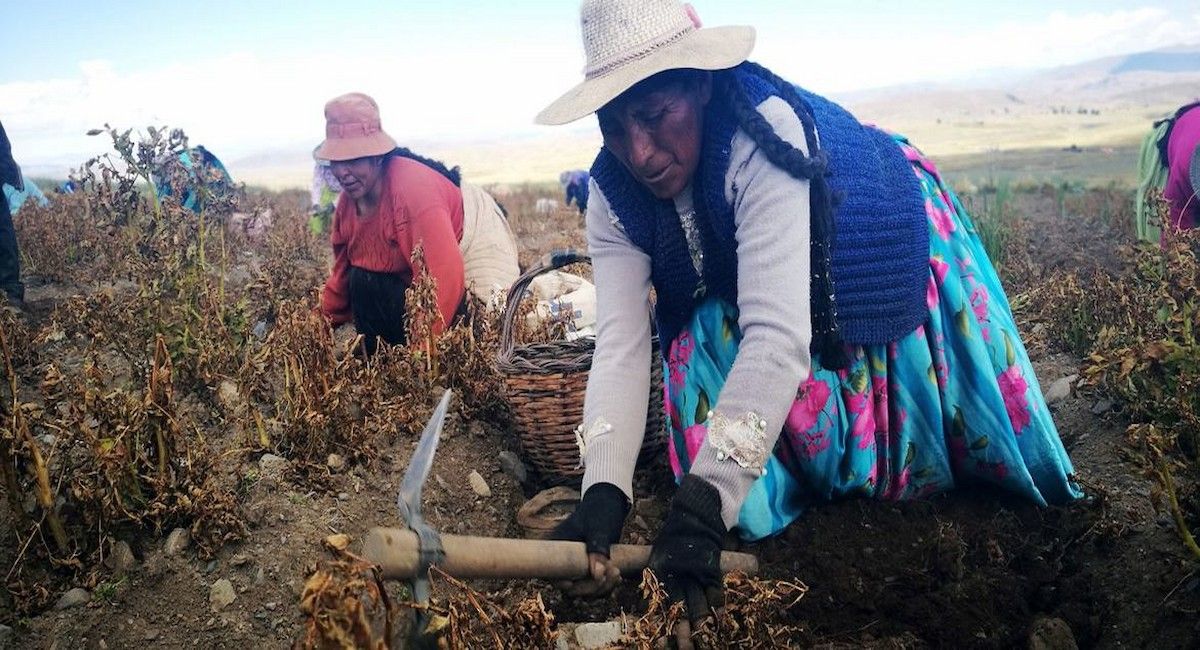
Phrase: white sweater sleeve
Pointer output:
(614, 412)
(771, 211)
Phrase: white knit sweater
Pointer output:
(771, 214)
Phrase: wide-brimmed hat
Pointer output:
(627, 41)
(353, 130)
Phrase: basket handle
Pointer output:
(553, 261)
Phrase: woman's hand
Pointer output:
(597, 522)
(687, 554)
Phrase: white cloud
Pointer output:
(861, 59)
(242, 103)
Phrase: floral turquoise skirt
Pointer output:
(954, 402)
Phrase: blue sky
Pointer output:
(253, 76)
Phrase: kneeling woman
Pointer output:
(392, 201)
(831, 324)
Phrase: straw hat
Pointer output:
(627, 41)
(352, 129)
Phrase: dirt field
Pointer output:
(969, 569)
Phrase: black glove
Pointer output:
(687, 554)
(597, 520)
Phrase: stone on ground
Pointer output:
(1051, 634)
(479, 485)
(73, 598)
(221, 595)
(592, 636)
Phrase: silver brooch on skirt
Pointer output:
(743, 440)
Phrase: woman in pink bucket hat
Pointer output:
(392, 201)
(831, 324)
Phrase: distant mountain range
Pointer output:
(1103, 103)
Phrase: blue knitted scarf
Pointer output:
(880, 252)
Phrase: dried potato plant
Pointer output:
(1137, 331)
(89, 457)
(345, 606)
(755, 615)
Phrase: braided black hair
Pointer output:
(813, 167)
(453, 173)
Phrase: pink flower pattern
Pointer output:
(943, 221)
(1013, 387)
(681, 354)
(802, 419)
(862, 426)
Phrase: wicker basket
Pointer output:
(545, 385)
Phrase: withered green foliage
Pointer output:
(345, 606)
(756, 615)
(469, 619)
(168, 326)
(1137, 331)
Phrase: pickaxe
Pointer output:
(407, 554)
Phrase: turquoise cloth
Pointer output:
(216, 177)
(954, 402)
(17, 198)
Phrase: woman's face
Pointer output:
(358, 177)
(656, 133)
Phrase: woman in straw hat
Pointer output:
(831, 325)
(393, 201)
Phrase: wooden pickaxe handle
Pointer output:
(395, 550)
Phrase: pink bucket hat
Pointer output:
(627, 41)
(353, 130)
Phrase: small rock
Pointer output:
(271, 606)
(210, 567)
(1039, 329)
(239, 559)
(335, 463)
(441, 482)
(150, 635)
(73, 598)
(512, 465)
(1060, 389)
(1051, 634)
(120, 559)
(47, 439)
(272, 466)
(479, 485)
(343, 496)
(1102, 406)
(260, 576)
(338, 542)
(260, 329)
(561, 643)
(221, 595)
(228, 395)
(591, 636)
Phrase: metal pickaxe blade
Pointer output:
(408, 500)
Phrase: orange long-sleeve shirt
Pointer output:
(417, 206)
